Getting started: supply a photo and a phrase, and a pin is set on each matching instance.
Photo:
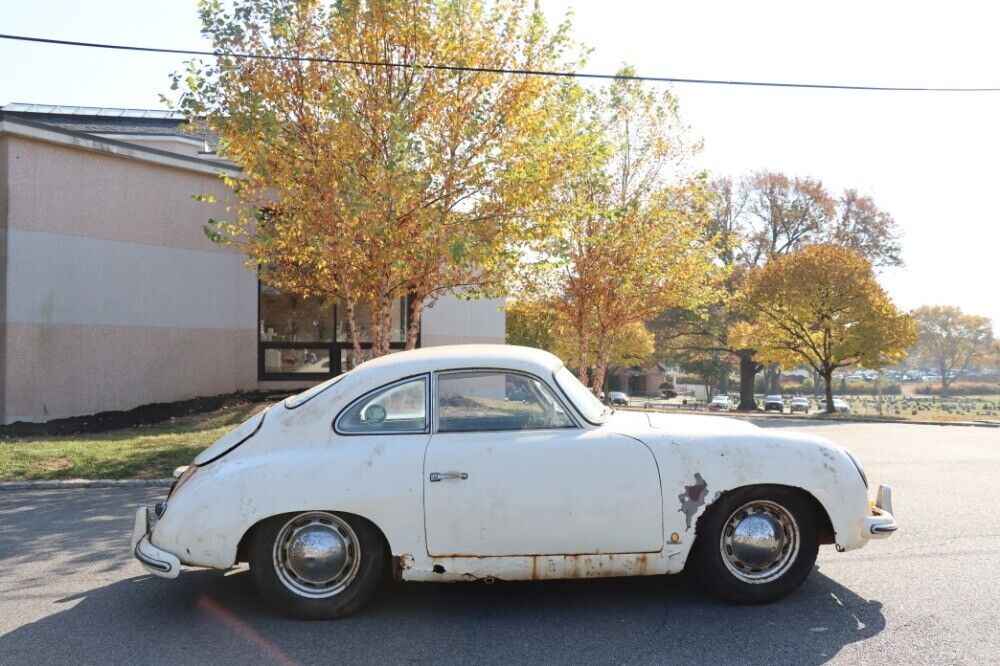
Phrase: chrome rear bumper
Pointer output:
(154, 560)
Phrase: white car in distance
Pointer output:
(721, 403)
(494, 462)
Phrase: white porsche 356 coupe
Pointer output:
(495, 462)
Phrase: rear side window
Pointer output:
(399, 408)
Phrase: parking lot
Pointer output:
(69, 591)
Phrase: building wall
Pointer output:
(454, 321)
(118, 298)
(4, 143)
(113, 297)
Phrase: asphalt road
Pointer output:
(69, 591)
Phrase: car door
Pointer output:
(509, 471)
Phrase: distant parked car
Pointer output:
(618, 398)
(839, 405)
(774, 403)
(721, 403)
(799, 405)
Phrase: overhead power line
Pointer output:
(491, 70)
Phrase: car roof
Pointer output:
(447, 357)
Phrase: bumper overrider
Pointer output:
(881, 523)
(155, 560)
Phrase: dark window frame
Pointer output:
(333, 348)
(425, 377)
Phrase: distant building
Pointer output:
(638, 381)
(111, 296)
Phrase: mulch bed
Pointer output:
(142, 415)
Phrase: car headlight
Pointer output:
(857, 464)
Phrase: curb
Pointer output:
(810, 420)
(58, 484)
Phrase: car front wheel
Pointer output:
(317, 564)
(757, 544)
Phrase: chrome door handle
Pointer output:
(441, 476)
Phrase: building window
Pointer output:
(307, 338)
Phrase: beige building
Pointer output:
(111, 295)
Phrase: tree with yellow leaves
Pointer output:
(374, 177)
(822, 306)
(630, 220)
(536, 323)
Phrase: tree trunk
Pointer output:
(381, 324)
(581, 348)
(603, 356)
(352, 329)
(772, 375)
(878, 390)
(748, 372)
(413, 329)
(828, 380)
(945, 381)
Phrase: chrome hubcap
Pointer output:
(759, 541)
(316, 554)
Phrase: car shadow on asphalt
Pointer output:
(209, 616)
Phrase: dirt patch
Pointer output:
(55, 465)
(142, 415)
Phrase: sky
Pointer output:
(930, 159)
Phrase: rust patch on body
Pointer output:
(401, 563)
(693, 498)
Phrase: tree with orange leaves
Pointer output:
(630, 239)
(375, 178)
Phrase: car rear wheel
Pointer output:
(757, 544)
(317, 564)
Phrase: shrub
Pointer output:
(960, 388)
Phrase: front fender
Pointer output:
(697, 471)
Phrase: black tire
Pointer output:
(371, 571)
(711, 562)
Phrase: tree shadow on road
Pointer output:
(208, 616)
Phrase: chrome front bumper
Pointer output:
(154, 560)
(881, 523)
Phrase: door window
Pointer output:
(485, 400)
(400, 408)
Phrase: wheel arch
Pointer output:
(244, 542)
(827, 534)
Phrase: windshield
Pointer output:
(589, 406)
